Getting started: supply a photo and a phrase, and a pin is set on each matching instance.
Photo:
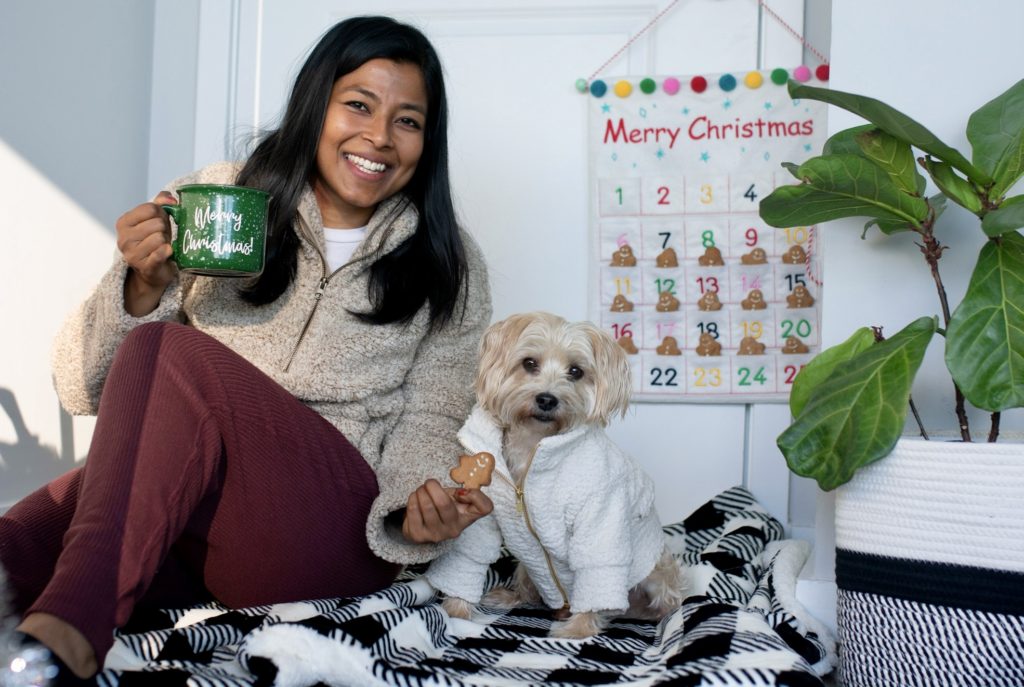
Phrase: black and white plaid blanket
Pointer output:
(739, 625)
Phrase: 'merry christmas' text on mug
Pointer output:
(221, 230)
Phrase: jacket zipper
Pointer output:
(521, 508)
(321, 287)
(309, 318)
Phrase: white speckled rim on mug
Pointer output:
(220, 230)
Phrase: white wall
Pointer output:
(74, 140)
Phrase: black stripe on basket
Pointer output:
(940, 584)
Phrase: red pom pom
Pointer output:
(822, 72)
(698, 84)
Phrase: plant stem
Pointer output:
(932, 250)
(993, 432)
(917, 417)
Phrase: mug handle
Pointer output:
(175, 212)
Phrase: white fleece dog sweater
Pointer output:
(591, 508)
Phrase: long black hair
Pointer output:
(430, 266)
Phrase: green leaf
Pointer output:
(985, 339)
(996, 134)
(841, 186)
(895, 157)
(793, 168)
(938, 204)
(953, 186)
(1007, 217)
(855, 416)
(886, 226)
(819, 369)
(845, 142)
(893, 122)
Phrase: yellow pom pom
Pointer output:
(623, 88)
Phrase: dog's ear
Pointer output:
(613, 379)
(498, 340)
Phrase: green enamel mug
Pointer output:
(219, 231)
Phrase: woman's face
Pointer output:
(371, 140)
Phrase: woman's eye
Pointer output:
(357, 105)
(409, 122)
(576, 372)
(530, 365)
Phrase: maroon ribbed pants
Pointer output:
(204, 477)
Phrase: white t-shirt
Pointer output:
(341, 244)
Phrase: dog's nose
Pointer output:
(546, 402)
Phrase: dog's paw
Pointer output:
(660, 593)
(457, 608)
(580, 626)
(502, 597)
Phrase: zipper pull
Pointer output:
(320, 288)
(520, 498)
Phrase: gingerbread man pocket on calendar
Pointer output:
(753, 369)
(708, 374)
(708, 328)
(797, 312)
(621, 285)
(664, 241)
(665, 329)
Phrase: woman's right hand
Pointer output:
(144, 239)
(434, 513)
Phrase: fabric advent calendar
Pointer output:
(710, 302)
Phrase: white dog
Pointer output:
(574, 509)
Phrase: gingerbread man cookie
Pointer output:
(708, 345)
(667, 302)
(750, 346)
(794, 345)
(667, 258)
(474, 471)
(794, 256)
(712, 256)
(626, 341)
(621, 304)
(669, 346)
(709, 301)
(624, 257)
(800, 297)
(754, 301)
(758, 256)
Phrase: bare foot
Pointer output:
(66, 642)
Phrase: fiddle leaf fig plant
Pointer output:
(850, 402)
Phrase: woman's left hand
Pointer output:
(435, 513)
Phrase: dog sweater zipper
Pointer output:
(521, 509)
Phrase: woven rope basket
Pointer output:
(930, 567)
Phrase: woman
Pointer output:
(285, 442)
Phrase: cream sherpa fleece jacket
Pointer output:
(591, 508)
(398, 392)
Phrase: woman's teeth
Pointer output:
(366, 165)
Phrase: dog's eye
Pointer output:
(530, 365)
(576, 372)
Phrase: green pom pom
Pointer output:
(780, 76)
(581, 85)
(648, 86)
